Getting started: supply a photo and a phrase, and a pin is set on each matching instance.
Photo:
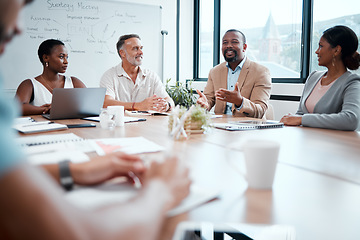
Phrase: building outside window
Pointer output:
(273, 33)
(327, 15)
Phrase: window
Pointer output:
(281, 34)
(273, 33)
(328, 15)
(206, 37)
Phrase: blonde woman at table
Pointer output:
(331, 99)
(35, 94)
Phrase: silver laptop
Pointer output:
(248, 125)
(76, 103)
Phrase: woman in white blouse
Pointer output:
(331, 99)
(35, 94)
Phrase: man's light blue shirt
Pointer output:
(232, 78)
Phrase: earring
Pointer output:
(333, 61)
(46, 64)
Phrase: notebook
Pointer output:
(35, 127)
(48, 139)
(76, 103)
(248, 125)
(52, 148)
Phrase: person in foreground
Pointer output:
(35, 94)
(331, 98)
(33, 206)
(131, 86)
(238, 86)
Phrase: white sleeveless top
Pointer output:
(42, 95)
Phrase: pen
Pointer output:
(37, 123)
(139, 111)
(81, 125)
(137, 182)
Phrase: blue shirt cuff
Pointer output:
(240, 107)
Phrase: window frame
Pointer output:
(306, 39)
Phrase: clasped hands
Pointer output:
(154, 103)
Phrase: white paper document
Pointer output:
(129, 145)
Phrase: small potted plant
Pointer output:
(181, 94)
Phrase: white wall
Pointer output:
(186, 40)
(284, 107)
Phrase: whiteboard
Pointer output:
(90, 30)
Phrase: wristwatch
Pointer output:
(66, 179)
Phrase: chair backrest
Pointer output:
(269, 114)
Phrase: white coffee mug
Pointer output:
(261, 157)
(106, 119)
(118, 112)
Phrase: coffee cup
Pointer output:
(118, 112)
(106, 119)
(261, 157)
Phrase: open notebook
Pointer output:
(248, 125)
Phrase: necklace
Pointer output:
(325, 80)
(47, 85)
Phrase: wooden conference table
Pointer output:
(316, 187)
